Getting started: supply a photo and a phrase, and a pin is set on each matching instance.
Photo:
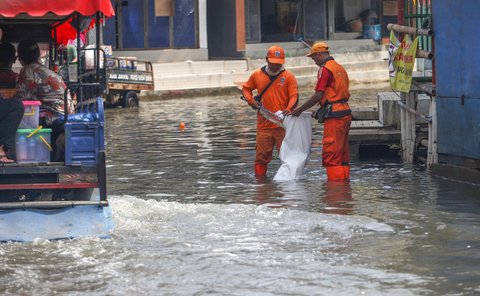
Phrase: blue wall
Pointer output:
(457, 62)
(141, 29)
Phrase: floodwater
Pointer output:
(191, 219)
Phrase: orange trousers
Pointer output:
(266, 140)
(336, 151)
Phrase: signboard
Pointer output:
(401, 61)
(390, 8)
(129, 77)
(164, 7)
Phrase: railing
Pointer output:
(418, 14)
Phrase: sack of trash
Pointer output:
(296, 147)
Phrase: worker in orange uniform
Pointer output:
(331, 91)
(277, 90)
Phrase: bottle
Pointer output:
(31, 148)
(21, 147)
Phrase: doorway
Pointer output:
(280, 20)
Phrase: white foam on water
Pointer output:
(160, 195)
(234, 216)
(248, 249)
(161, 247)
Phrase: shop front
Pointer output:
(311, 20)
(152, 25)
(285, 20)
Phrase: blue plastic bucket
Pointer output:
(372, 32)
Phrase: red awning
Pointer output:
(37, 8)
(55, 11)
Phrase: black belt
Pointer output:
(343, 101)
(338, 114)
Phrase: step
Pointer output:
(264, 46)
(374, 136)
(380, 85)
(362, 67)
(304, 75)
(366, 124)
(198, 67)
(373, 76)
(364, 113)
(296, 48)
(259, 50)
(376, 76)
(193, 81)
(353, 57)
(366, 66)
(349, 67)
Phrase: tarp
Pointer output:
(295, 147)
(37, 8)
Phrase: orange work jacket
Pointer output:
(281, 95)
(337, 92)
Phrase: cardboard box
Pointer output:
(390, 7)
(107, 49)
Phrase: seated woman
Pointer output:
(11, 109)
(37, 82)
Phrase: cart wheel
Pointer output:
(130, 99)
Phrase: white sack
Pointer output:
(295, 146)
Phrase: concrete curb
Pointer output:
(190, 93)
(236, 90)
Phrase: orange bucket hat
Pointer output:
(276, 55)
(317, 48)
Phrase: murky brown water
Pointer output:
(192, 219)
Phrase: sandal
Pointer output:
(3, 156)
(5, 159)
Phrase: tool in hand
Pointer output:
(269, 115)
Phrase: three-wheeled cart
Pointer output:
(56, 200)
(126, 77)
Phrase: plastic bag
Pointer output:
(296, 147)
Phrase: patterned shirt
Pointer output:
(37, 82)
